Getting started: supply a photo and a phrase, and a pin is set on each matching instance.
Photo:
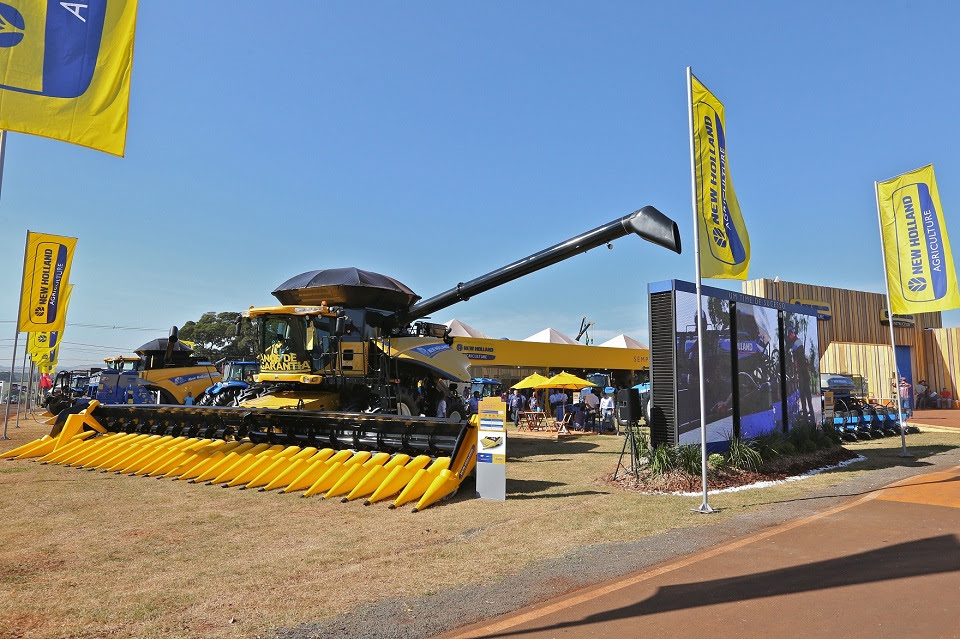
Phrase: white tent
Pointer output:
(622, 341)
(459, 329)
(551, 336)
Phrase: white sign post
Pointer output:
(492, 450)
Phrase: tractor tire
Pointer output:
(205, 399)
(226, 398)
(406, 405)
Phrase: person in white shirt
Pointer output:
(606, 412)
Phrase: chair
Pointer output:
(561, 424)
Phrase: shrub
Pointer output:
(690, 459)
(786, 448)
(743, 455)
(663, 459)
(717, 461)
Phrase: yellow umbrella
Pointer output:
(530, 381)
(565, 381)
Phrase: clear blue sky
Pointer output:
(435, 142)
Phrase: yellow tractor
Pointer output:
(346, 402)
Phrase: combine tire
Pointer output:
(455, 414)
(406, 405)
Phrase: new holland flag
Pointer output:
(724, 243)
(65, 70)
(917, 255)
(46, 271)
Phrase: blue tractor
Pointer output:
(237, 377)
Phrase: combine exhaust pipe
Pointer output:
(648, 223)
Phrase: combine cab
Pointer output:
(164, 369)
(344, 405)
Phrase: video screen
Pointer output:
(801, 361)
(758, 370)
(717, 360)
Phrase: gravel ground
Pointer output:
(587, 565)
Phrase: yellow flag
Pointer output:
(46, 271)
(39, 343)
(724, 243)
(917, 255)
(66, 70)
(46, 359)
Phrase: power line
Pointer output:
(104, 326)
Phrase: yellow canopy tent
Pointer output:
(565, 381)
(530, 381)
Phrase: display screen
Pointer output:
(758, 370)
(716, 368)
(801, 361)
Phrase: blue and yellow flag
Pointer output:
(39, 343)
(920, 273)
(46, 271)
(724, 243)
(65, 70)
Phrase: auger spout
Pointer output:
(648, 223)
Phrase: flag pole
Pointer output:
(893, 342)
(23, 374)
(3, 155)
(705, 505)
(16, 338)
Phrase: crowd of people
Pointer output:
(593, 408)
(922, 396)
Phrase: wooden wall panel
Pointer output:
(870, 361)
(942, 353)
(856, 320)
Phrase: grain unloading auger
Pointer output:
(331, 412)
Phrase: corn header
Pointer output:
(344, 404)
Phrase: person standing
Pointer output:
(442, 406)
(606, 412)
(515, 405)
(533, 404)
(188, 400)
(906, 394)
(473, 406)
(920, 391)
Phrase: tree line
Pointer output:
(214, 336)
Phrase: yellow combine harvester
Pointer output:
(346, 373)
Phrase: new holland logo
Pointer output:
(57, 46)
(719, 239)
(11, 26)
(920, 244)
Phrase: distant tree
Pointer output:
(214, 335)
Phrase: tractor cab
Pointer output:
(122, 363)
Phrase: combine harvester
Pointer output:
(333, 411)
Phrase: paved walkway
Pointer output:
(886, 564)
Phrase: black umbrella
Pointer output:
(160, 345)
(348, 287)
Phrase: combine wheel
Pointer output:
(406, 405)
(455, 414)
(167, 398)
